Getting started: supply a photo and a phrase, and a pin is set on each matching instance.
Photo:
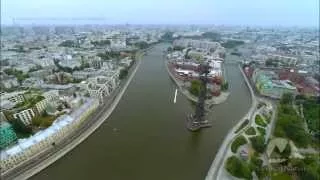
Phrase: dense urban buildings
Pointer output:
(56, 80)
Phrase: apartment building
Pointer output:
(46, 139)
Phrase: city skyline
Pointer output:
(248, 12)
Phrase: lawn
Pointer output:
(258, 143)
(251, 131)
(241, 140)
(268, 119)
(280, 176)
(43, 120)
(259, 121)
(238, 168)
(30, 102)
(262, 131)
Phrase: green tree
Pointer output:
(287, 98)
(123, 73)
(195, 88)
(142, 45)
(167, 36)
(36, 121)
(258, 143)
(213, 36)
(238, 168)
(225, 86)
(178, 48)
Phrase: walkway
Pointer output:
(218, 164)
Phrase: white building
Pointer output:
(2, 117)
(9, 82)
(118, 42)
(126, 62)
(196, 44)
(51, 95)
(46, 139)
(15, 97)
(25, 116)
(102, 86)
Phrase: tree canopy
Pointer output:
(238, 168)
(195, 87)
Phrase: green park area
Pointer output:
(44, 120)
(289, 124)
(20, 75)
(239, 141)
(232, 43)
(195, 87)
(258, 143)
(244, 124)
(259, 121)
(238, 168)
(29, 102)
(311, 109)
(251, 131)
(261, 130)
(243, 168)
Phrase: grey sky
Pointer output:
(237, 12)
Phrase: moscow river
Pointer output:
(145, 137)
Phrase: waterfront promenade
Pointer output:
(218, 164)
(40, 161)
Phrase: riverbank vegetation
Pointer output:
(20, 75)
(251, 131)
(244, 124)
(259, 121)
(258, 143)
(241, 140)
(224, 86)
(238, 168)
(261, 130)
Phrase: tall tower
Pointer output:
(197, 120)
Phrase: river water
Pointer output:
(145, 137)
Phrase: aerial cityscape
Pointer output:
(85, 99)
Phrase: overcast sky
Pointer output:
(230, 12)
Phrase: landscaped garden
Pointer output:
(290, 125)
(251, 131)
(261, 130)
(238, 168)
(239, 141)
(258, 143)
(246, 122)
(43, 120)
(259, 121)
(29, 102)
